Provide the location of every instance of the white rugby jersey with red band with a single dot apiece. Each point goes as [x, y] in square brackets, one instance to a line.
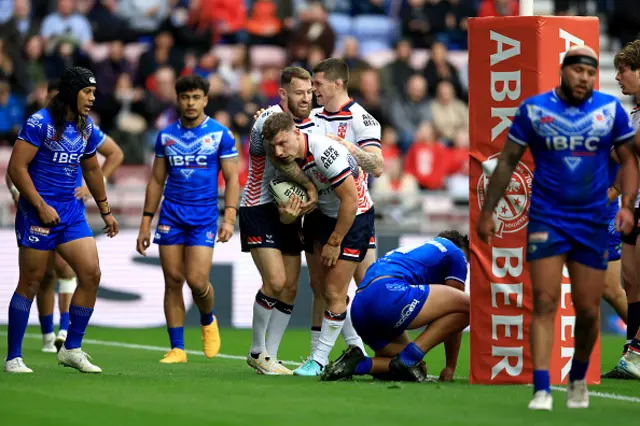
[261, 170]
[328, 165]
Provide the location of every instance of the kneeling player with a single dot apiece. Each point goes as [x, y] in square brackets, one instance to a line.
[338, 233]
[396, 296]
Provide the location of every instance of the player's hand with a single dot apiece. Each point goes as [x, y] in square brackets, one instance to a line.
[225, 232]
[446, 375]
[290, 212]
[624, 220]
[111, 228]
[144, 241]
[330, 255]
[48, 215]
[258, 113]
[486, 227]
[82, 192]
[351, 147]
[310, 205]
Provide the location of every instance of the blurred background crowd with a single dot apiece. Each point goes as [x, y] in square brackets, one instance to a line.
[407, 58]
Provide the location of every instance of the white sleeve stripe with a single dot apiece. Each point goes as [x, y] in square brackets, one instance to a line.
[235, 154]
[516, 140]
[625, 137]
[160, 155]
[455, 279]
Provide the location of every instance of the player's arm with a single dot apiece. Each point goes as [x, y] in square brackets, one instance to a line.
[113, 156]
[230, 174]
[456, 278]
[367, 151]
[152, 198]
[511, 154]
[15, 194]
[347, 192]
[92, 173]
[22, 154]
[628, 173]
[614, 192]
[369, 158]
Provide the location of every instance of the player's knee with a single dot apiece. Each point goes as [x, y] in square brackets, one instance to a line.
[173, 279]
[197, 282]
[274, 282]
[90, 277]
[587, 314]
[48, 279]
[544, 305]
[290, 290]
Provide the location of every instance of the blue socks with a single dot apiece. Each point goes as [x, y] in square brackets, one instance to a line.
[19, 308]
[541, 381]
[64, 321]
[411, 355]
[364, 367]
[78, 321]
[176, 337]
[46, 324]
[206, 319]
[578, 370]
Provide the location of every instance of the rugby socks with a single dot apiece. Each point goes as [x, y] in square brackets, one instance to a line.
[364, 367]
[331, 327]
[542, 381]
[78, 320]
[633, 322]
[315, 336]
[351, 335]
[635, 345]
[206, 319]
[578, 370]
[411, 355]
[176, 337]
[64, 321]
[278, 323]
[262, 309]
[19, 308]
[46, 324]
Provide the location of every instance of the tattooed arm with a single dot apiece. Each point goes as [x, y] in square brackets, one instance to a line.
[509, 158]
[369, 158]
[628, 173]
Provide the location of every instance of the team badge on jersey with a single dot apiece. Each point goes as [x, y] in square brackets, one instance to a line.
[511, 212]
[342, 130]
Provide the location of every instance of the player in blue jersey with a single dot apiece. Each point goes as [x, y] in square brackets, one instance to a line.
[46, 159]
[59, 270]
[189, 155]
[398, 293]
[570, 131]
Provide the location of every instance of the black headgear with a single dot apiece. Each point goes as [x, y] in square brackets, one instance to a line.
[580, 59]
[72, 81]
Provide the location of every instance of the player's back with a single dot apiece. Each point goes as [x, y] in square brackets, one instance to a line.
[570, 146]
[193, 159]
[261, 170]
[432, 262]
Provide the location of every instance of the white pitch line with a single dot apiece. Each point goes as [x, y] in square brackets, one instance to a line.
[596, 394]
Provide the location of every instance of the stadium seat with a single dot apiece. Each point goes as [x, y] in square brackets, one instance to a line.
[369, 28]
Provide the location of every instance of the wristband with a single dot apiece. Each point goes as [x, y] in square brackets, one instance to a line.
[14, 190]
[148, 214]
[230, 207]
[107, 213]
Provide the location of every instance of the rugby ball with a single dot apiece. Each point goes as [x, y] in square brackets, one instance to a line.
[281, 190]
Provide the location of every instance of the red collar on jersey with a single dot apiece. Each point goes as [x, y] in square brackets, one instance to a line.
[344, 109]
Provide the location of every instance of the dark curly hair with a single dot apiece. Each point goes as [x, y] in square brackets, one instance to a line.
[460, 240]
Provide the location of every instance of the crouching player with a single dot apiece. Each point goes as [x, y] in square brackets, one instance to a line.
[396, 295]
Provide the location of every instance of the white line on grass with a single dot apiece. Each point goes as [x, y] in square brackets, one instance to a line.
[242, 358]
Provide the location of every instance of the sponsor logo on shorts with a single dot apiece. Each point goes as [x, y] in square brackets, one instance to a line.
[39, 230]
[34, 239]
[269, 238]
[350, 252]
[538, 237]
[163, 229]
[254, 240]
[511, 212]
[406, 312]
[209, 237]
[157, 236]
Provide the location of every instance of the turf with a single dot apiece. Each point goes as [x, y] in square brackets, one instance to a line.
[136, 390]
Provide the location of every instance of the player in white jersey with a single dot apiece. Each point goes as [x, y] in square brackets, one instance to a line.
[627, 64]
[343, 119]
[272, 235]
[338, 232]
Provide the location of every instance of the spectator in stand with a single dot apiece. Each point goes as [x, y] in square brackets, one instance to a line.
[38, 99]
[144, 16]
[625, 20]
[368, 7]
[462, 10]
[394, 75]
[240, 64]
[498, 8]
[450, 115]
[162, 54]
[11, 113]
[67, 25]
[409, 110]
[459, 154]
[438, 69]
[227, 18]
[351, 56]
[109, 70]
[243, 105]
[314, 29]
[415, 24]
[370, 97]
[427, 159]
[263, 25]
[218, 99]
[21, 26]
[389, 144]
[396, 185]
[34, 55]
[107, 25]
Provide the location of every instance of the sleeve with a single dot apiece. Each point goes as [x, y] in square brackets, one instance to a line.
[521, 130]
[623, 129]
[34, 130]
[334, 163]
[92, 141]
[159, 146]
[256, 142]
[457, 267]
[227, 145]
[367, 130]
[98, 136]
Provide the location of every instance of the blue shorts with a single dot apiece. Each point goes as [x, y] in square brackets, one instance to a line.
[382, 311]
[614, 248]
[30, 233]
[186, 225]
[583, 242]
